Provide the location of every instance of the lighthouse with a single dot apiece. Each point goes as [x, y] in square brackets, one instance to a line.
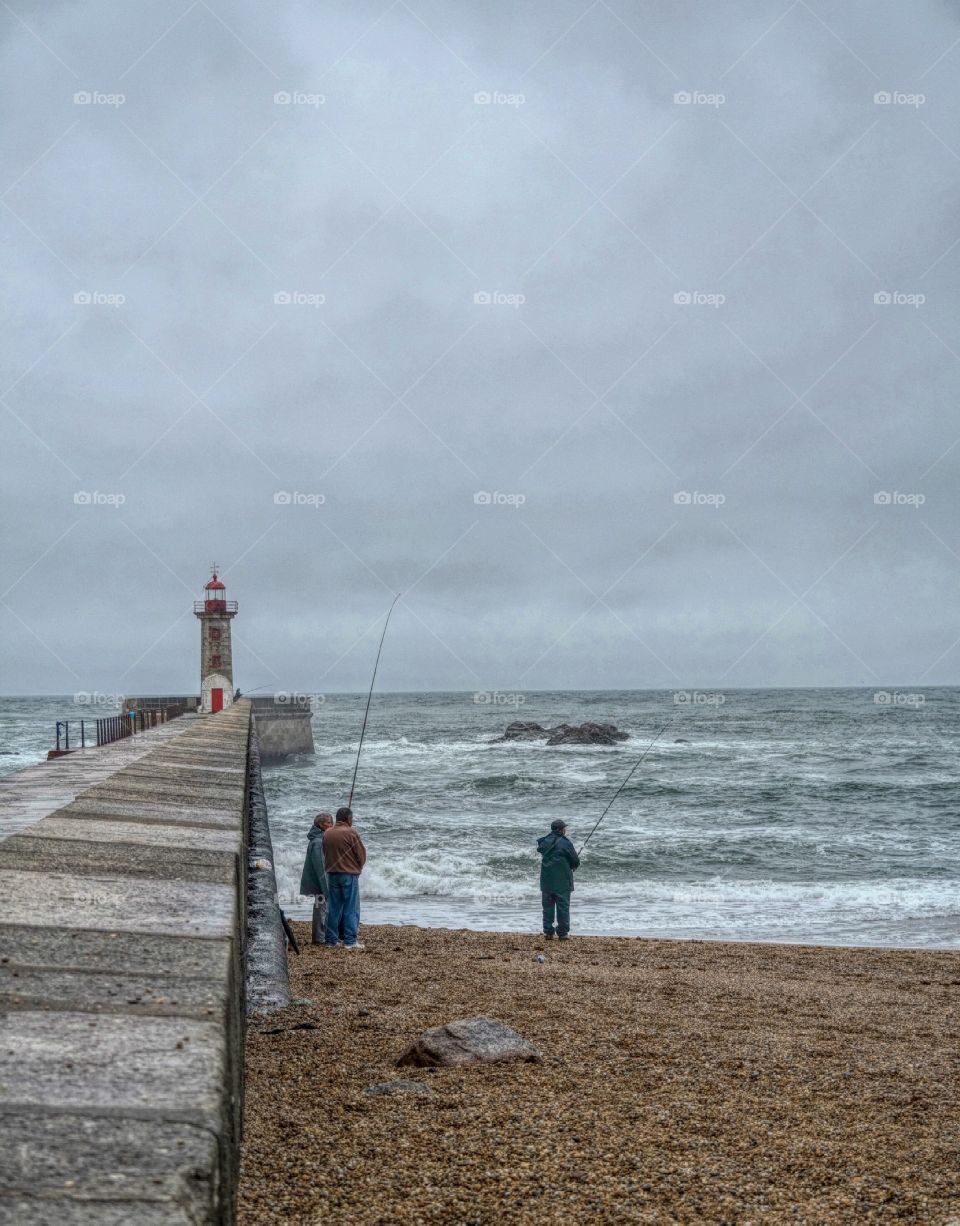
[216, 655]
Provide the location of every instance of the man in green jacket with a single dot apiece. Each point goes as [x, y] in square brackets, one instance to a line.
[313, 880]
[559, 859]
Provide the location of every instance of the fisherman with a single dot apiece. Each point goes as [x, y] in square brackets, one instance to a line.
[313, 879]
[557, 867]
[344, 855]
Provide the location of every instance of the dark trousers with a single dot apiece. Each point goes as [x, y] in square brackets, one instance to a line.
[343, 908]
[559, 904]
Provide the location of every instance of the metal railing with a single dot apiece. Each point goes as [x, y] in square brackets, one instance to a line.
[214, 606]
[115, 727]
[63, 734]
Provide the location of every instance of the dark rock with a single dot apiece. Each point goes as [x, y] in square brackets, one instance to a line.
[681, 740]
[586, 734]
[524, 731]
[565, 734]
[401, 1086]
[473, 1040]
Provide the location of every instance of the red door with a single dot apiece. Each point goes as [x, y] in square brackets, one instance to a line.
[216, 700]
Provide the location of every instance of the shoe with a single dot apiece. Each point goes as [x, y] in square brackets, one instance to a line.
[565, 937]
[548, 936]
[355, 945]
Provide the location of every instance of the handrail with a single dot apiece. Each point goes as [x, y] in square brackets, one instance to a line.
[116, 727]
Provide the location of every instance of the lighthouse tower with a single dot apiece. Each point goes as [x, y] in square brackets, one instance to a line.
[216, 655]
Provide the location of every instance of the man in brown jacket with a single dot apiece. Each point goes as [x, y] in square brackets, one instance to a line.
[344, 856]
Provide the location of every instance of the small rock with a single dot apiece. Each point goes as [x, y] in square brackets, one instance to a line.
[541, 958]
[473, 1040]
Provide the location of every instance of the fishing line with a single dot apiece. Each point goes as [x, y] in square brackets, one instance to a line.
[366, 712]
[625, 782]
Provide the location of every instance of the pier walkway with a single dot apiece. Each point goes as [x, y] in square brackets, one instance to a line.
[122, 934]
[34, 792]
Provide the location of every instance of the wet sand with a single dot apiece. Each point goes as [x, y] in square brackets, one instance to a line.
[682, 1081]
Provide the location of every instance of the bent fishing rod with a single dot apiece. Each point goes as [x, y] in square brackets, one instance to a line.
[363, 729]
[624, 784]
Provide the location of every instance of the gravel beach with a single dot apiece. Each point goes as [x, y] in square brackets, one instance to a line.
[682, 1081]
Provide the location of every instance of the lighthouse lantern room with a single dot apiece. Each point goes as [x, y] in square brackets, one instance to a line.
[216, 656]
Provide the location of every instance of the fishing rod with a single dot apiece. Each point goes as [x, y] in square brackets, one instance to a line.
[624, 784]
[366, 712]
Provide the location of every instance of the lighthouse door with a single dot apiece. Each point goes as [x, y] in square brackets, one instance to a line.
[216, 700]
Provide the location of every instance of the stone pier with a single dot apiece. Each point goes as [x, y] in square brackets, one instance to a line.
[122, 953]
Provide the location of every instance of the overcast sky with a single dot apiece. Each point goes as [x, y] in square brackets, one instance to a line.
[581, 352]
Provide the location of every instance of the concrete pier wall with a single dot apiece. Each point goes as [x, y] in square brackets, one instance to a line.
[122, 953]
[283, 728]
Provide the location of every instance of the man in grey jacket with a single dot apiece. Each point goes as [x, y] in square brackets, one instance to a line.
[313, 880]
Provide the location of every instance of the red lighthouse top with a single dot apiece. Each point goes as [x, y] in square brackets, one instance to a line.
[215, 596]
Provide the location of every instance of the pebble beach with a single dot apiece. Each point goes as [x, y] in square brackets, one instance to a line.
[681, 1082]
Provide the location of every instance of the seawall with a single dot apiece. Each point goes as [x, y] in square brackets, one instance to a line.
[122, 986]
[284, 728]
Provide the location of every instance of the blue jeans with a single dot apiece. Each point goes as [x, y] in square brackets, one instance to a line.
[343, 908]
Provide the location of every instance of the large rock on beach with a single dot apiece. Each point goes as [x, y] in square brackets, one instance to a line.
[588, 733]
[472, 1040]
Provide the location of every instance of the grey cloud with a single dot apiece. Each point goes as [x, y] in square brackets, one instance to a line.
[597, 199]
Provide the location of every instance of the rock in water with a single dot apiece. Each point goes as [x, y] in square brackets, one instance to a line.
[472, 1040]
[586, 734]
[524, 731]
[565, 734]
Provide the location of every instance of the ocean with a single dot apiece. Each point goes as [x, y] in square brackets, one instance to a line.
[825, 816]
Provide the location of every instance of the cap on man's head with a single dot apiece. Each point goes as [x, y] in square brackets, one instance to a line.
[558, 826]
[344, 814]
